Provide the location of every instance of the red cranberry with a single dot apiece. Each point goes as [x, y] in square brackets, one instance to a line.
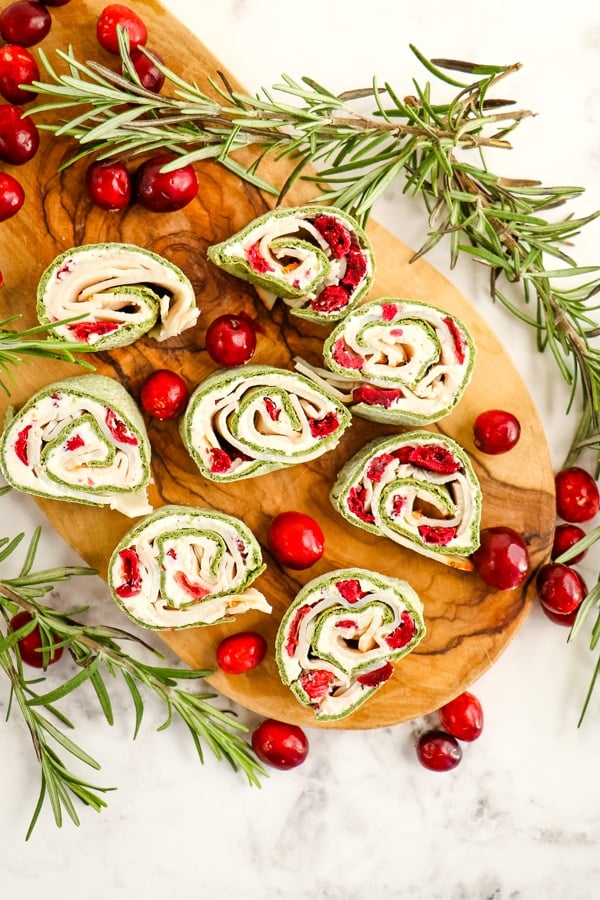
[241, 652]
[566, 619]
[496, 431]
[164, 394]
[231, 339]
[25, 23]
[19, 137]
[439, 751]
[144, 63]
[501, 559]
[17, 67]
[12, 196]
[295, 539]
[577, 497]
[30, 646]
[462, 717]
[161, 191]
[559, 588]
[108, 185]
[117, 14]
[279, 744]
[565, 536]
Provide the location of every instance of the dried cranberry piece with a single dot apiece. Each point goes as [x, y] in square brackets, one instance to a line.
[74, 443]
[21, 444]
[376, 677]
[434, 458]
[403, 634]
[345, 623]
[323, 427]
[337, 235]
[351, 590]
[378, 465]
[375, 396]
[357, 504]
[292, 640]
[219, 460]
[84, 330]
[197, 591]
[457, 337]
[273, 410]
[257, 261]
[119, 429]
[345, 356]
[131, 573]
[316, 683]
[331, 299]
[439, 535]
[389, 311]
[356, 267]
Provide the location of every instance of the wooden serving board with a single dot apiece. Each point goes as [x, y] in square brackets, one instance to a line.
[468, 624]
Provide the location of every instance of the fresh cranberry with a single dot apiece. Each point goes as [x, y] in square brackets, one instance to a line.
[238, 653]
[108, 185]
[295, 540]
[496, 431]
[116, 14]
[462, 717]
[17, 67]
[501, 559]
[30, 646]
[24, 23]
[144, 63]
[565, 536]
[439, 751]
[164, 394]
[566, 619]
[160, 191]
[279, 744]
[577, 497]
[231, 339]
[559, 588]
[12, 196]
[19, 137]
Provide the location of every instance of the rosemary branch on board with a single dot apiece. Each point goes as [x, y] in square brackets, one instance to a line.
[97, 652]
[352, 158]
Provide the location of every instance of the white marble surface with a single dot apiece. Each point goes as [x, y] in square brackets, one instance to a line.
[520, 817]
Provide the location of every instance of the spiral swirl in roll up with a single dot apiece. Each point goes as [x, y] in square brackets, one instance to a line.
[119, 291]
[182, 567]
[317, 260]
[418, 489]
[83, 440]
[340, 638]
[397, 361]
[240, 423]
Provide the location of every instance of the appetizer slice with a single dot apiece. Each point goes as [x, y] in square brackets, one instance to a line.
[418, 489]
[316, 259]
[338, 641]
[244, 422]
[397, 361]
[83, 440]
[182, 567]
[119, 292]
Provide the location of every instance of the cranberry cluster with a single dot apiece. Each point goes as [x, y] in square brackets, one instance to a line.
[439, 749]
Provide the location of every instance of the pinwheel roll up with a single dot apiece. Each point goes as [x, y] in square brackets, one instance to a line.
[82, 439]
[418, 489]
[240, 423]
[119, 291]
[316, 259]
[338, 641]
[398, 361]
[182, 567]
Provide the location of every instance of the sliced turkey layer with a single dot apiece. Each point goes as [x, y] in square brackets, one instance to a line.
[340, 638]
[184, 566]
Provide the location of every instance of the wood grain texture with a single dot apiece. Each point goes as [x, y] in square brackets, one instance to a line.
[468, 625]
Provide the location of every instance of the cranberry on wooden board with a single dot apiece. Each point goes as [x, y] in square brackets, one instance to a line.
[117, 14]
[231, 339]
[280, 745]
[241, 652]
[496, 431]
[577, 496]
[24, 23]
[17, 67]
[160, 191]
[164, 394]
[30, 646]
[565, 537]
[439, 751]
[19, 137]
[144, 63]
[559, 588]
[501, 559]
[295, 539]
[462, 717]
[108, 185]
[12, 196]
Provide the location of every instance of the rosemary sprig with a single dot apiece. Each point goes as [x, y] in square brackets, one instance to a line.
[97, 652]
[15, 346]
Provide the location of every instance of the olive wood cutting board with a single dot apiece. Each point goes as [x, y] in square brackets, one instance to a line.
[468, 624]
